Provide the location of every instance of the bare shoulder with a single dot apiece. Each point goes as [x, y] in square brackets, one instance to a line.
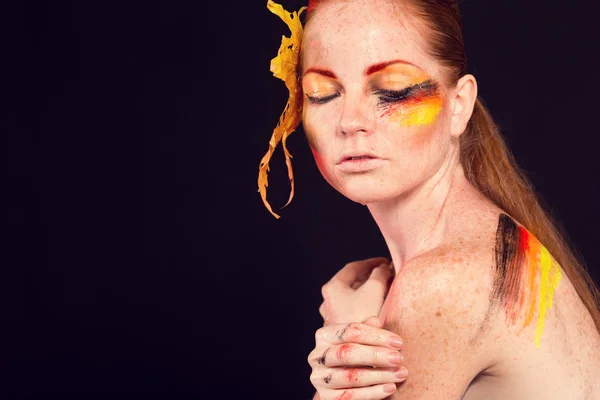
[454, 280]
[493, 303]
[446, 282]
[439, 303]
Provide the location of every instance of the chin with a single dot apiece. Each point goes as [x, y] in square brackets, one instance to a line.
[367, 192]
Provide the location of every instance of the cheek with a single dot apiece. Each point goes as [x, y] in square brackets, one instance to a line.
[415, 113]
[417, 126]
[418, 148]
[321, 142]
[315, 127]
[311, 136]
[319, 159]
[324, 165]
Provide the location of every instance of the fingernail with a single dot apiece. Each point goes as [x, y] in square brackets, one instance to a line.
[396, 358]
[396, 342]
[401, 372]
[389, 388]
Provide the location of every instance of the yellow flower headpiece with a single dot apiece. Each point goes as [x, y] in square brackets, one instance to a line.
[284, 67]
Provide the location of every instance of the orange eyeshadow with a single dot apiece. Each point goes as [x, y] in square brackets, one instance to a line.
[421, 108]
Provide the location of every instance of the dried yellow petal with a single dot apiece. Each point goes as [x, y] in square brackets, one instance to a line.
[284, 67]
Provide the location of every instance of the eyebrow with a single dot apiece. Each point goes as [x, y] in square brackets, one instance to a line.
[321, 71]
[369, 71]
[383, 65]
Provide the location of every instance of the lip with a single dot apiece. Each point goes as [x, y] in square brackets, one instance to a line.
[349, 156]
[351, 163]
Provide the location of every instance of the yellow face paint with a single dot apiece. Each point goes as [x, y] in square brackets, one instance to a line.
[418, 111]
[421, 100]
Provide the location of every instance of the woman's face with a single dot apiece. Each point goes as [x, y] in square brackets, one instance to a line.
[375, 111]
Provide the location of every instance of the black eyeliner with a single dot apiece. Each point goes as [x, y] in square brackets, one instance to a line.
[427, 88]
[424, 89]
[321, 100]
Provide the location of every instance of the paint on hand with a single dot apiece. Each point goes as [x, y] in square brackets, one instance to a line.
[520, 261]
[421, 106]
[352, 375]
[343, 351]
[344, 396]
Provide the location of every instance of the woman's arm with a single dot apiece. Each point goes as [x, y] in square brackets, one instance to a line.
[350, 359]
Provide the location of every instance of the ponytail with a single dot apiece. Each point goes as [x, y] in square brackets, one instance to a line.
[491, 168]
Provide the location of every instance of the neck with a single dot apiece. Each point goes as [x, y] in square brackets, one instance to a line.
[416, 222]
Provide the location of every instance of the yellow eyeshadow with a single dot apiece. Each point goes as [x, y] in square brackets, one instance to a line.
[399, 76]
[416, 112]
[315, 84]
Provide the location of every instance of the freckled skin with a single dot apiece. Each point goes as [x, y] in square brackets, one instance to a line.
[560, 366]
[411, 153]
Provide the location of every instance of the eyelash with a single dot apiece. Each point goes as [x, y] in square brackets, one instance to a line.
[394, 96]
[385, 96]
[321, 100]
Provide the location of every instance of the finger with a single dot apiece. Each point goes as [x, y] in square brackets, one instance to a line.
[338, 334]
[383, 273]
[358, 355]
[341, 378]
[355, 332]
[373, 321]
[377, 392]
[358, 270]
[324, 314]
[323, 310]
[379, 280]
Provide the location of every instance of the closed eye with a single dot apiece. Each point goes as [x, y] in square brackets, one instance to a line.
[427, 88]
[394, 96]
[321, 100]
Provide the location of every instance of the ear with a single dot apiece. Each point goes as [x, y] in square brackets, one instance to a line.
[462, 102]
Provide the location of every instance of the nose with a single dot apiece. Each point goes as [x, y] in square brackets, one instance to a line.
[355, 118]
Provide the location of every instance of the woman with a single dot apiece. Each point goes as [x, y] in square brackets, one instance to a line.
[487, 299]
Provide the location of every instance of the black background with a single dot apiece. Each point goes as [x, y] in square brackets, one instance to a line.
[138, 260]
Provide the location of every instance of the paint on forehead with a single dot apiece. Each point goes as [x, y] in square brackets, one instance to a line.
[421, 108]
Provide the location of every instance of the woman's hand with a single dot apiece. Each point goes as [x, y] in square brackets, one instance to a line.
[358, 361]
[356, 292]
